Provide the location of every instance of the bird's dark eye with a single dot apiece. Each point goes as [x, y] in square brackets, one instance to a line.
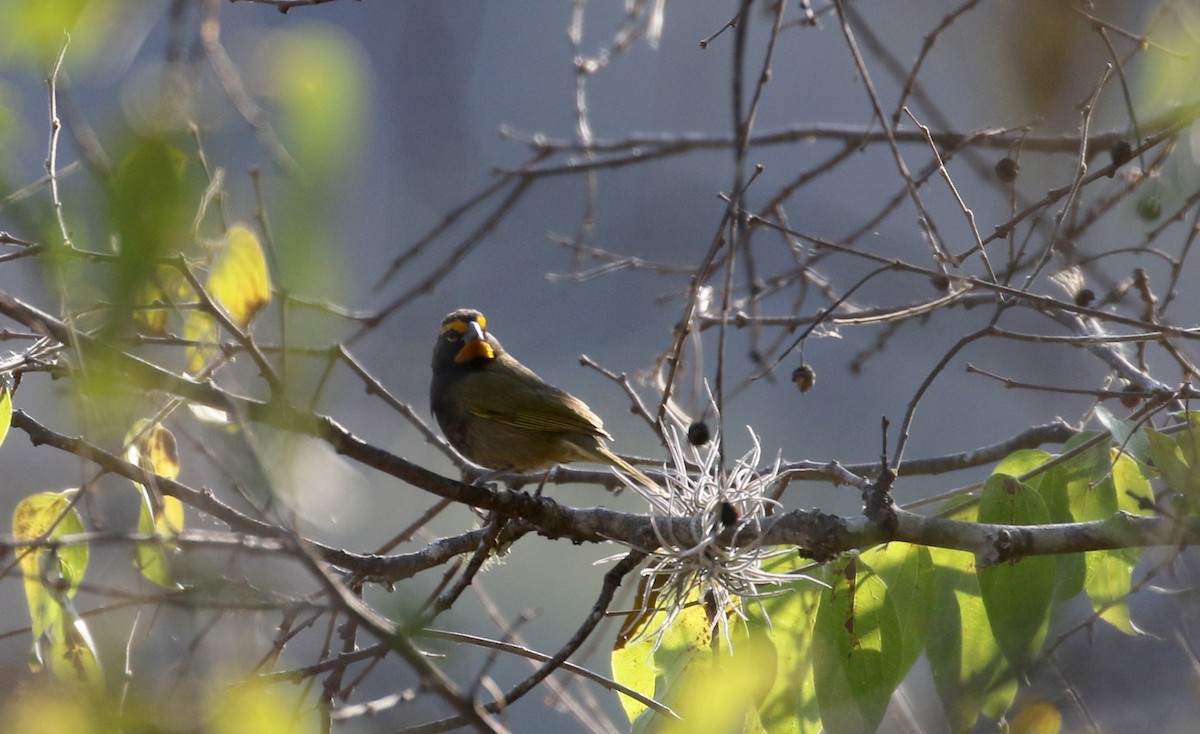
[452, 336]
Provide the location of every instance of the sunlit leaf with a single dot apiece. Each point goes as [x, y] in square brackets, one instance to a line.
[48, 514]
[239, 283]
[5, 412]
[48, 709]
[687, 637]
[907, 570]
[1168, 459]
[69, 650]
[1017, 593]
[260, 707]
[239, 280]
[1188, 441]
[787, 619]
[1099, 483]
[857, 650]
[152, 447]
[1127, 434]
[1110, 572]
[1168, 79]
[1051, 485]
[1037, 717]
[722, 689]
[61, 640]
[202, 328]
[970, 672]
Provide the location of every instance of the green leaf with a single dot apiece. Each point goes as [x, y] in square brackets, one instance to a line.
[1099, 483]
[1127, 434]
[969, 670]
[713, 686]
[658, 673]
[907, 570]
[787, 619]
[1169, 459]
[1110, 572]
[721, 691]
[1017, 593]
[1022, 461]
[149, 206]
[857, 650]
[1051, 485]
[36, 30]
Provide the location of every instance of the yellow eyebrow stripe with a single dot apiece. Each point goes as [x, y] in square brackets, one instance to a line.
[461, 326]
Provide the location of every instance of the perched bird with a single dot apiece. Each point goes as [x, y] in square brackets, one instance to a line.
[501, 415]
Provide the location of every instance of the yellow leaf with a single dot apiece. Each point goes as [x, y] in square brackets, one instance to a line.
[5, 412]
[200, 327]
[239, 280]
[256, 706]
[48, 514]
[1039, 717]
[153, 448]
[166, 287]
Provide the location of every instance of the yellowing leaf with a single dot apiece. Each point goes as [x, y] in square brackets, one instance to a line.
[1038, 717]
[239, 280]
[787, 620]
[259, 707]
[200, 327]
[61, 640]
[239, 283]
[659, 673]
[48, 514]
[166, 287]
[38, 29]
[70, 652]
[153, 447]
[5, 412]
[723, 694]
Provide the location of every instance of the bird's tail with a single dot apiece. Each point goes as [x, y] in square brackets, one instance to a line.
[638, 475]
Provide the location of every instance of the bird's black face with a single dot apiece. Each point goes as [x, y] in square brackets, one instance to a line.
[463, 341]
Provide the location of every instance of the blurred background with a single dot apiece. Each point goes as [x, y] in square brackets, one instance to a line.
[367, 124]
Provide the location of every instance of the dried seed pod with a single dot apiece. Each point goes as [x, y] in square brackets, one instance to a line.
[805, 377]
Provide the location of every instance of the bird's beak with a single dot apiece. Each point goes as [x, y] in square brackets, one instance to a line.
[475, 345]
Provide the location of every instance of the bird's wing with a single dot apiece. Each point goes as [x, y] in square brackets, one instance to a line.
[507, 396]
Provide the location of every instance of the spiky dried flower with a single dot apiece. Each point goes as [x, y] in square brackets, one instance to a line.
[720, 561]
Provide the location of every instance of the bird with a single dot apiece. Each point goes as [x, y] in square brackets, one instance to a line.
[499, 414]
